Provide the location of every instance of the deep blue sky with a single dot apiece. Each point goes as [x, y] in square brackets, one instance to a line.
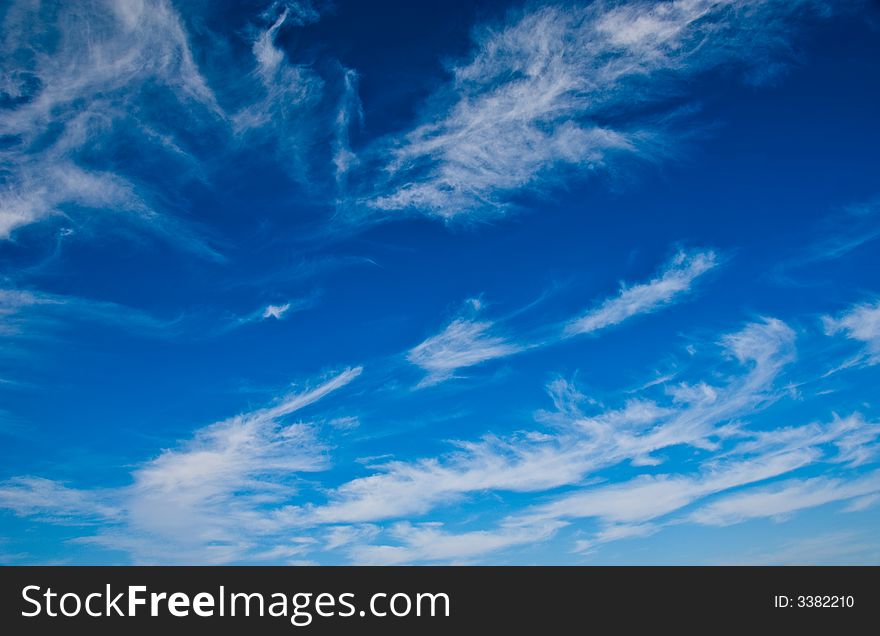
[440, 282]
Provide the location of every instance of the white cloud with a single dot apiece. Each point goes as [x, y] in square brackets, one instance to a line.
[349, 113]
[288, 93]
[105, 53]
[842, 234]
[276, 311]
[279, 312]
[28, 314]
[464, 342]
[836, 548]
[854, 439]
[121, 76]
[31, 315]
[643, 505]
[233, 491]
[676, 279]
[576, 446]
[429, 542]
[209, 500]
[781, 500]
[614, 532]
[343, 536]
[860, 323]
[649, 497]
[47, 499]
[567, 87]
[468, 340]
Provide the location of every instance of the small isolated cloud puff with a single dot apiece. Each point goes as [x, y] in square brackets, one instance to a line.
[270, 312]
[276, 311]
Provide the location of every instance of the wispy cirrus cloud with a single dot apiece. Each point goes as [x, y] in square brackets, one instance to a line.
[840, 235]
[87, 83]
[833, 548]
[675, 280]
[853, 439]
[650, 497]
[54, 502]
[275, 311]
[465, 342]
[708, 418]
[431, 543]
[271, 312]
[781, 500]
[30, 314]
[566, 89]
[576, 443]
[208, 500]
[232, 491]
[349, 114]
[288, 92]
[644, 505]
[242, 466]
[63, 101]
[209, 490]
[470, 340]
[860, 323]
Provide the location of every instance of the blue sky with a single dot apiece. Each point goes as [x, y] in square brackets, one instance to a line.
[574, 283]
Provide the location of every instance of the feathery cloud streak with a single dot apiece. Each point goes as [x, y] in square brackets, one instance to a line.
[61, 104]
[85, 81]
[204, 501]
[862, 324]
[676, 279]
[577, 443]
[464, 342]
[569, 86]
[229, 493]
[469, 341]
